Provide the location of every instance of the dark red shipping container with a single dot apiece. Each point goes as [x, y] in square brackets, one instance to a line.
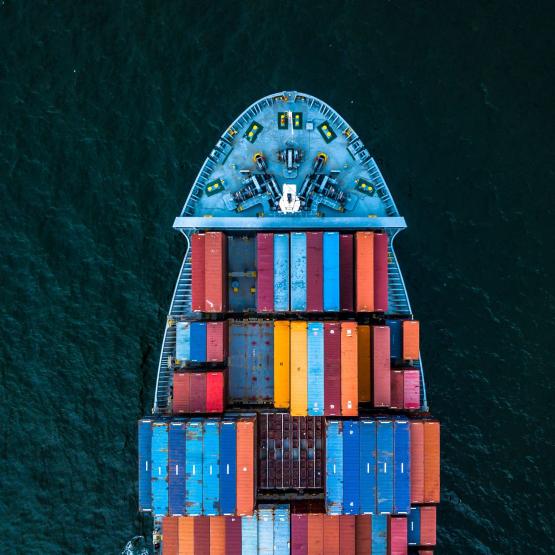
[332, 369]
[381, 366]
[397, 535]
[197, 395]
[215, 276]
[347, 534]
[346, 272]
[197, 272]
[202, 535]
[216, 341]
[181, 392]
[364, 534]
[265, 272]
[411, 389]
[397, 389]
[215, 391]
[314, 272]
[331, 535]
[428, 525]
[299, 534]
[380, 272]
[233, 535]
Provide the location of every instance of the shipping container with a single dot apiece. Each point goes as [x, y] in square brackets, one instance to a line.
[215, 391]
[193, 468]
[331, 272]
[349, 369]
[211, 468]
[331, 534]
[299, 391]
[265, 272]
[351, 467]
[413, 526]
[176, 470]
[197, 272]
[431, 462]
[428, 525]
[217, 535]
[368, 466]
[233, 535]
[315, 377]
[170, 535]
[334, 467]
[401, 463]
[364, 281]
[228, 467]
[380, 272]
[381, 367]
[346, 262]
[281, 272]
[198, 342]
[159, 455]
[332, 369]
[245, 467]
[314, 270]
[265, 530]
[364, 376]
[215, 277]
[411, 389]
[145, 475]
[347, 534]
[216, 341]
[416, 461]
[281, 364]
[411, 339]
[282, 532]
[186, 532]
[385, 466]
[379, 535]
[395, 339]
[197, 392]
[316, 534]
[298, 271]
[364, 535]
[183, 341]
[202, 535]
[181, 392]
[249, 531]
[397, 535]
[299, 534]
[397, 389]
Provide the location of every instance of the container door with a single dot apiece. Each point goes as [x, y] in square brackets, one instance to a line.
[385, 466]
[299, 393]
[281, 272]
[228, 466]
[145, 476]
[183, 341]
[332, 369]
[159, 464]
[368, 466]
[349, 369]
[346, 261]
[351, 467]
[401, 462]
[364, 245]
[380, 272]
[331, 272]
[379, 535]
[198, 342]
[265, 272]
[315, 380]
[197, 272]
[211, 468]
[314, 270]
[334, 467]
[381, 366]
[193, 469]
[176, 470]
[298, 272]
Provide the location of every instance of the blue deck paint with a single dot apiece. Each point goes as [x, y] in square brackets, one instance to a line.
[281, 272]
[367, 430]
[176, 468]
[198, 342]
[193, 469]
[334, 467]
[249, 535]
[413, 526]
[183, 341]
[379, 535]
[331, 271]
[315, 344]
[211, 468]
[298, 272]
[145, 475]
[351, 467]
[159, 457]
[228, 467]
[385, 466]
[401, 464]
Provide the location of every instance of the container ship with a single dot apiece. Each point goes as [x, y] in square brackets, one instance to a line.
[290, 413]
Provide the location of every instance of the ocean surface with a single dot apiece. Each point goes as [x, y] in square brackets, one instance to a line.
[107, 111]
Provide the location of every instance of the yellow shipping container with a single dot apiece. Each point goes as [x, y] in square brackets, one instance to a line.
[281, 364]
[364, 389]
[299, 363]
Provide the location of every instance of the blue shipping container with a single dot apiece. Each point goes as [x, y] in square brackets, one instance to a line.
[395, 338]
[315, 381]
[159, 468]
[281, 530]
[249, 533]
[211, 468]
[228, 467]
[331, 271]
[281, 271]
[193, 468]
[183, 341]
[298, 271]
[379, 535]
[351, 467]
[176, 469]
[265, 530]
[145, 475]
[198, 341]
[368, 466]
[385, 466]
[334, 467]
[413, 526]
[401, 463]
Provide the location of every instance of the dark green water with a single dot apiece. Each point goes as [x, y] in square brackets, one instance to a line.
[108, 110]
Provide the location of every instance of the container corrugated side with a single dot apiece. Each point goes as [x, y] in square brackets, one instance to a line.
[314, 270]
[351, 467]
[217, 535]
[265, 530]
[416, 462]
[364, 374]
[183, 341]
[385, 466]
[379, 534]
[428, 524]
[299, 534]
[193, 468]
[145, 474]
[228, 467]
[368, 466]
[298, 272]
[211, 468]
[331, 534]
[282, 531]
[397, 535]
[401, 463]
[176, 470]
[281, 364]
[347, 534]
[315, 377]
[215, 391]
[411, 389]
[411, 339]
[315, 534]
[364, 534]
[395, 339]
[197, 272]
[281, 272]
[299, 392]
[264, 272]
[170, 535]
[381, 367]
[245, 466]
[198, 342]
[413, 526]
[202, 535]
[334, 467]
[249, 531]
[215, 278]
[380, 272]
[233, 535]
[331, 272]
[431, 462]
[332, 369]
[364, 281]
[397, 389]
[186, 528]
[197, 392]
[349, 369]
[181, 392]
[216, 341]
[159, 456]
[346, 263]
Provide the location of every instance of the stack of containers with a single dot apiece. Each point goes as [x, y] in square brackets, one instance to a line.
[371, 271]
[200, 342]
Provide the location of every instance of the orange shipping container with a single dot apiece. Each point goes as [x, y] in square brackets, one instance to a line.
[331, 534]
[431, 462]
[364, 388]
[349, 369]
[411, 339]
[186, 535]
[170, 537]
[215, 277]
[416, 462]
[197, 272]
[347, 535]
[217, 535]
[364, 534]
[281, 364]
[427, 525]
[245, 467]
[299, 370]
[315, 534]
[364, 242]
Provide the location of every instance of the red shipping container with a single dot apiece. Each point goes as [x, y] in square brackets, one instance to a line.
[314, 272]
[170, 535]
[364, 534]
[215, 391]
[202, 535]
[233, 535]
[411, 339]
[381, 366]
[265, 272]
[346, 272]
[181, 392]
[416, 462]
[197, 392]
[197, 272]
[215, 272]
[380, 272]
[397, 535]
[299, 534]
[216, 341]
[347, 535]
[411, 389]
[316, 534]
[431, 462]
[397, 389]
[428, 525]
[331, 535]
[332, 369]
